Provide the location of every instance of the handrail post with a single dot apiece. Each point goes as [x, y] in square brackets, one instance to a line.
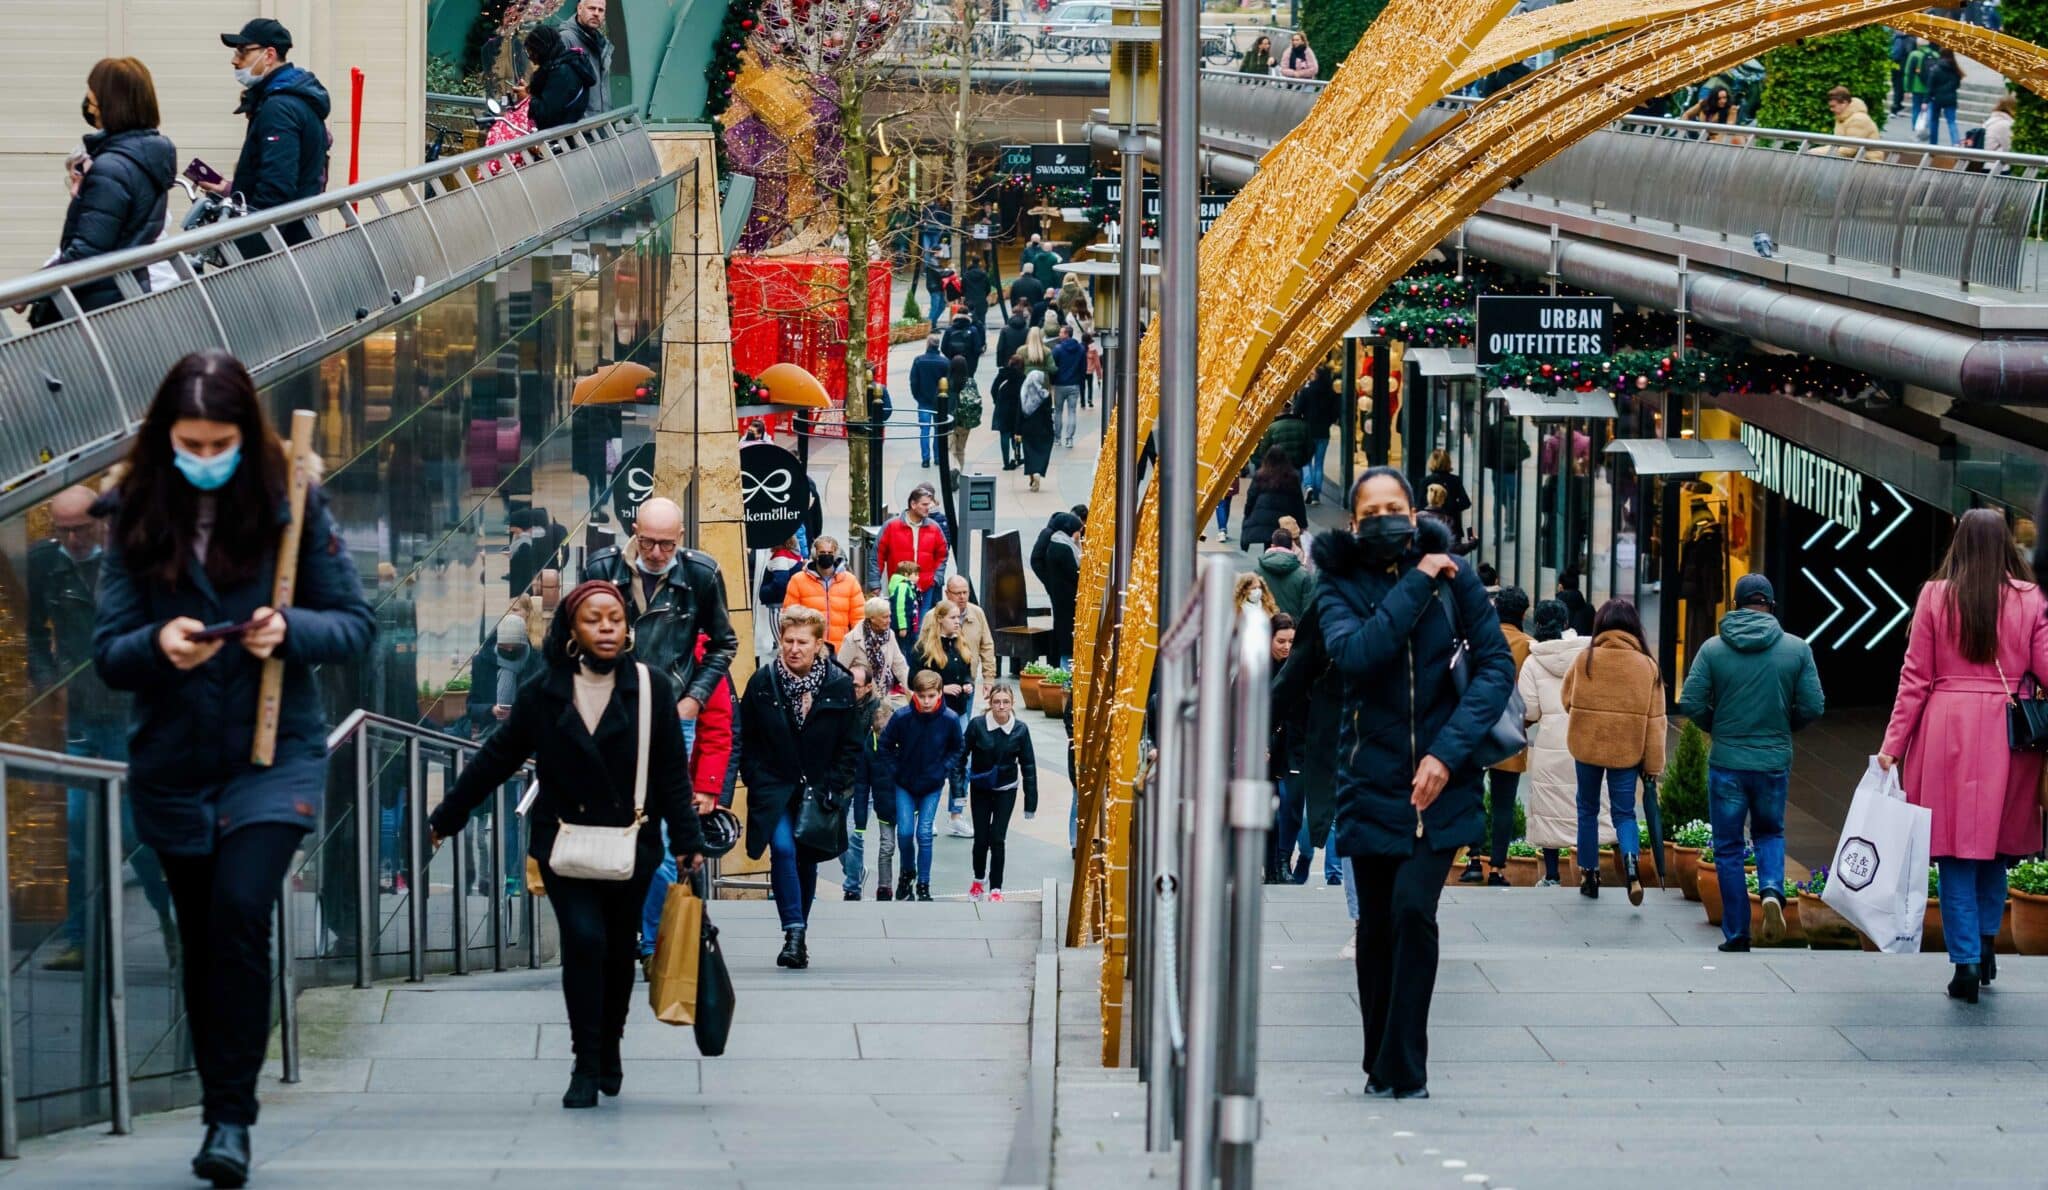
[416, 859]
[1207, 877]
[10, 1120]
[116, 977]
[1251, 816]
[369, 898]
[1163, 866]
[287, 987]
[1984, 188]
[459, 869]
[496, 901]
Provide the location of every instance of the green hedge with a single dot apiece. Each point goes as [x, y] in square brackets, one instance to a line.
[1334, 28]
[2028, 21]
[1798, 77]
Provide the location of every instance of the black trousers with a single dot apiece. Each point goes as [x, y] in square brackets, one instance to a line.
[1397, 953]
[600, 925]
[1501, 790]
[225, 903]
[989, 810]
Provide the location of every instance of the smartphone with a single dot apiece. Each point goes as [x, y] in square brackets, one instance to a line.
[226, 630]
[202, 173]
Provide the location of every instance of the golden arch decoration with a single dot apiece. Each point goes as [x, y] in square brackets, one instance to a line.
[1527, 34]
[1413, 205]
[2021, 61]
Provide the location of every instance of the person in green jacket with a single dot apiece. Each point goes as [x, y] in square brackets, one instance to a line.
[1750, 688]
[1293, 588]
[1915, 70]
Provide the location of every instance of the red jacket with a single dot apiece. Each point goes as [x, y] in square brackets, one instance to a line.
[924, 544]
[712, 754]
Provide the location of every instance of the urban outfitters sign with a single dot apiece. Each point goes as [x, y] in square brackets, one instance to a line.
[1570, 326]
[1819, 485]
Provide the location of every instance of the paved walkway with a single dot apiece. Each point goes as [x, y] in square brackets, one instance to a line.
[898, 1060]
[1579, 1044]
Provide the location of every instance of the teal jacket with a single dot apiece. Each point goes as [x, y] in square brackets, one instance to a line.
[1750, 688]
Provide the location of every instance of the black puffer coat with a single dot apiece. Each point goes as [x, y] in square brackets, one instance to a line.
[1390, 637]
[781, 758]
[119, 204]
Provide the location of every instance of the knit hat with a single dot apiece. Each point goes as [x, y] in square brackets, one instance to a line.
[511, 631]
[1753, 589]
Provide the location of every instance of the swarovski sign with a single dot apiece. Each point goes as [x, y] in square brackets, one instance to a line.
[1819, 485]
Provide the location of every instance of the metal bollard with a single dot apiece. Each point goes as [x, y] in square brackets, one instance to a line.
[416, 859]
[499, 824]
[459, 865]
[369, 901]
[1251, 815]
[287, 986]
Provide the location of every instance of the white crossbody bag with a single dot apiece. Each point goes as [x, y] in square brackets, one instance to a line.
[607, 852]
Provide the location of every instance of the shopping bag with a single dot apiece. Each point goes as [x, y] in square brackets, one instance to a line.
[1923, 121]
[672, 982]
[715, 999]
[1879, 878]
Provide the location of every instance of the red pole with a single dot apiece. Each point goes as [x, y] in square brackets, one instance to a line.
[355, 124]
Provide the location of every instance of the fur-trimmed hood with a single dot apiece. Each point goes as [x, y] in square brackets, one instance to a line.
[1336, 551]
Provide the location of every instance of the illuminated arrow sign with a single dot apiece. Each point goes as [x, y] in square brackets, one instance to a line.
[1892, 623]
[1860, 620]
[1905, 510]
[1827, 595]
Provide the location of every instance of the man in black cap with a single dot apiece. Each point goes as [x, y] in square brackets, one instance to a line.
[1751, 687]
[284, 153]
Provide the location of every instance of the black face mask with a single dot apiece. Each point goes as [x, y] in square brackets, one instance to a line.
[85, 110]
[824, 563]
[1385, 538]
[600, 665]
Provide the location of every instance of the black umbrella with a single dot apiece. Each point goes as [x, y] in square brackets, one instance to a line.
[1654, 819]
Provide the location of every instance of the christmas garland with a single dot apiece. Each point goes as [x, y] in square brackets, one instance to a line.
[740, 18]
[1708, 370]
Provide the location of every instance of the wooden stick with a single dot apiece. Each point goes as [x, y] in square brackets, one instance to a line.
[270, 698]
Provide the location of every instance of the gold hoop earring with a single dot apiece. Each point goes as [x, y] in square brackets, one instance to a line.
[573, 650]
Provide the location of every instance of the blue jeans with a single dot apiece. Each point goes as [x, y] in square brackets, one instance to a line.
[664, 876]
[924, 439]
[102, 741]
[1946, 111]
[1223, 515]
[914, 815]
[1312, 475]
[1621, 793]
[853, 861]
[956, 785]
[1287, 826]
[1732, 795]
[795, 881]
[1066, 412]
[1350, 888]
[1919, 101]
[1972, 904]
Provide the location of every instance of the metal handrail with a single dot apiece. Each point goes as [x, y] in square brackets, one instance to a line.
[1209, 812]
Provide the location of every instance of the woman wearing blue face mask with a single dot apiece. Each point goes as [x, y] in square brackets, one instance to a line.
[1393, 606]
[196, 523]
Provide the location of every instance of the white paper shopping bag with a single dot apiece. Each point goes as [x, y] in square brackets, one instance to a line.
[1879, 878]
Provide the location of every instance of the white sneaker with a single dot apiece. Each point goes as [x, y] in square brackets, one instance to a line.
[1547, 883]
[995, 895]
[1225, 535]
[958, 828]
[975, 891]
[1350, 950]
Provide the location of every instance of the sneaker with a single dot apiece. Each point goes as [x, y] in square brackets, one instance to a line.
[1547, 882]
[70, 958]
[1496, 880]
[1334, 879]
[1736, 945]
[398, 885]
[976, 891]
[1350, 948]
[1774, 917]
[853, 894]
[958, 828]
[1473, 874]
[924, 891]
[995, 896]
[1225, 535]
[903, 885]
[884, 893]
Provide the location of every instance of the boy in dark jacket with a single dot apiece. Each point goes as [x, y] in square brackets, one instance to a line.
[922, 746]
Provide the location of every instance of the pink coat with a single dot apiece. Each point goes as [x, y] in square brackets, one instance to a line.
[1948, 725]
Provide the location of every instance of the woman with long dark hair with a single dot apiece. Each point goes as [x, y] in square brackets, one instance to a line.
[1977, 635]
[582, 725]
[120, 189]
[1615, 697]
[198, 518]
[1394, 609]
[1275, 493]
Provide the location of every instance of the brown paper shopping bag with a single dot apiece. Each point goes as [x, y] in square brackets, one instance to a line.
[672, 986]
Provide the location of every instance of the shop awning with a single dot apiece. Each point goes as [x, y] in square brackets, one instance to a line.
[1444, 361]
[1598, 405]
[1683, 456]
[1103, 268]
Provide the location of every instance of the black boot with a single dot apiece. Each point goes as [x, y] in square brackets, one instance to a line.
[792, 950]
[1987, 967]
[224, 1158]
[903, 885]
[924, 891]
[1964, 986]
[803, 949]
[1474, 873]
[1589, 883]
[611, 1068]
[582, 1090]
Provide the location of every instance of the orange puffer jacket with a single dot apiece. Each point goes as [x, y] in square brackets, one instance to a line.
[843, 604]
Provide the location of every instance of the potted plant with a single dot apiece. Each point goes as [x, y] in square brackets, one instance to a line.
[1525, 864]
[2028, 883]
[1687, 843]
[1682, 792]
[1931, 940]
[1825, 929]
[1028, 683]
[1052, 692]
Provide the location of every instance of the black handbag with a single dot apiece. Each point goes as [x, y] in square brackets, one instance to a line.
[1508, 737]
[2026, 713]
[715, 999]
[820, 825]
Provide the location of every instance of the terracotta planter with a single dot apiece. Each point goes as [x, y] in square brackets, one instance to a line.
[1710, 896]
[1027, 689]
[1931, 941]
[1052, 700]
[1686, 866]
[2030, 922]
[450, 707]
[1825, 929]
[2006, 943]
[1524, 870]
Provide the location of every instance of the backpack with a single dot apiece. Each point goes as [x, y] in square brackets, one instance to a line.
[967, 406]
[1035, 394]
[1973, 138]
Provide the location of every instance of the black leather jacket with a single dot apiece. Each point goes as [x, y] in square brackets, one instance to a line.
[689, 600]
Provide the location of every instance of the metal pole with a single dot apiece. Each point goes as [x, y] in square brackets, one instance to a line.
[1139, 944]
[460, 868]
[10, 1121]
[1206, 879]
[369, 901]
[500, 823]
[1347, 417]
[1178, 324]
[416, 860]
[1164, 824]
[287, 987]
[116, 974]
[1251, 816]
[1129, 290]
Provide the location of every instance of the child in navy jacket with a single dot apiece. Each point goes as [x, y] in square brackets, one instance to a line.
[921, 748]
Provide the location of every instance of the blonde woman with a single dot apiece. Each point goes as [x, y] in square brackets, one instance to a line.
[1037, 356]
[872, 643]
[1251, 591]
[941, 650]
